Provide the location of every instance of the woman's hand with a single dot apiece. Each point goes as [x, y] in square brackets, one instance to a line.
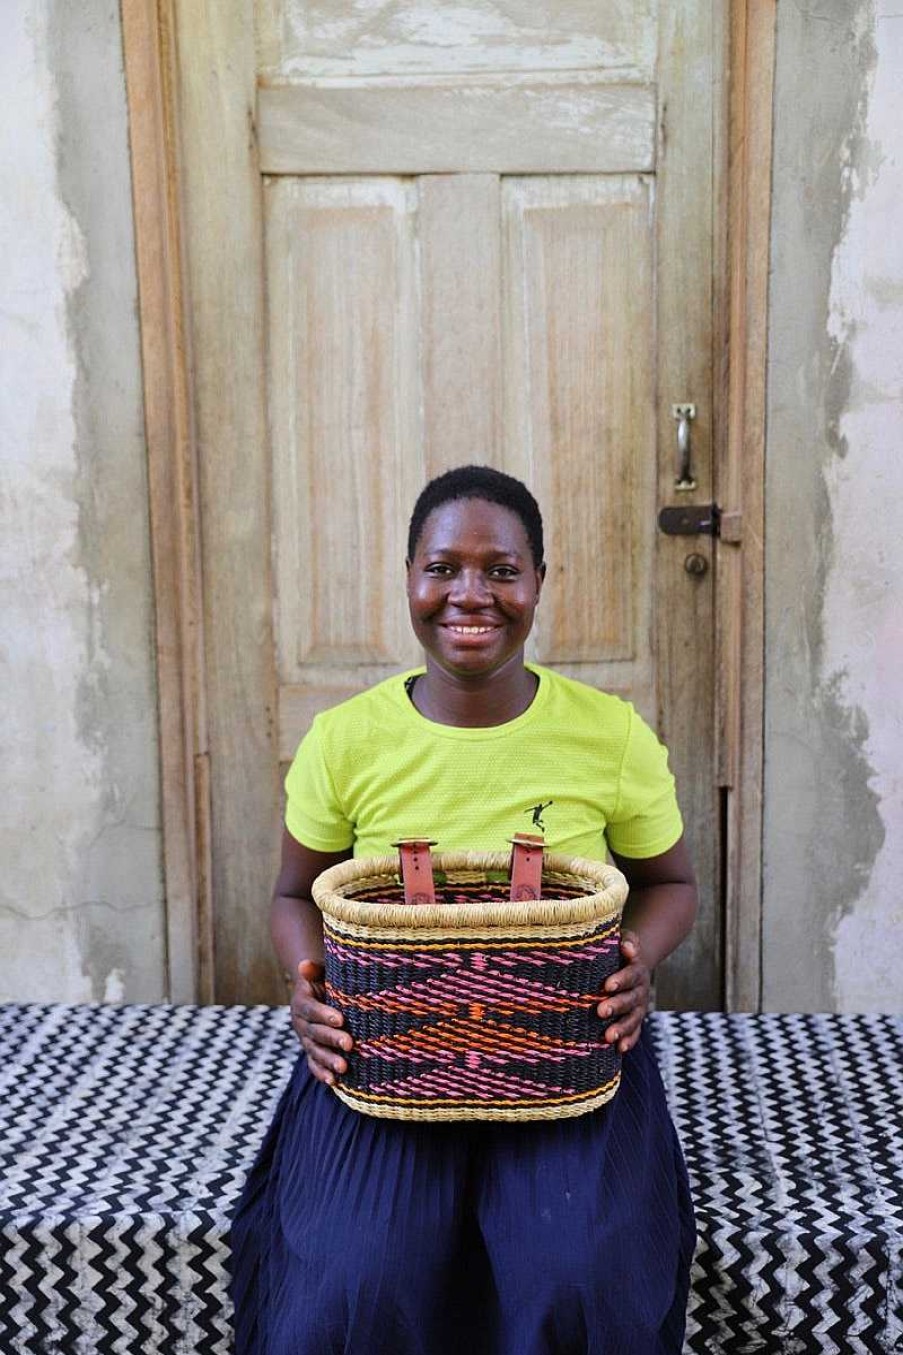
[659, 913]
[296, 926]
[318, 1026]
[627, 996]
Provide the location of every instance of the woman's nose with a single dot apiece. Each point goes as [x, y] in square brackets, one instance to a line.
[470, 588]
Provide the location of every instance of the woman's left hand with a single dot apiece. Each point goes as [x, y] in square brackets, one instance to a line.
[627, 996]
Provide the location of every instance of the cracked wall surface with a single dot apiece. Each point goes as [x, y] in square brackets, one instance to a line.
[833, 846]
[81, 899]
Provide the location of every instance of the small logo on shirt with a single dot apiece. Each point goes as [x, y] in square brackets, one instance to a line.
[536, 811]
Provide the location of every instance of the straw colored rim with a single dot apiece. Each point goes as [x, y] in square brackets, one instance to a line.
[566, 1108]
[440, 938]
[606, 891]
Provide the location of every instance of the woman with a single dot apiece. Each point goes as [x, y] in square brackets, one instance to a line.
[376, 1237]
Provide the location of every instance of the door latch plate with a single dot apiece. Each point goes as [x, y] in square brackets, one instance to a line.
[692, 519]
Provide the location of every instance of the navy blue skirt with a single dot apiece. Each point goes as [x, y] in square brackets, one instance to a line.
[359, 1236]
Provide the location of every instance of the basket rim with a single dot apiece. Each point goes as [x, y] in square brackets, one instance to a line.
[603, 901]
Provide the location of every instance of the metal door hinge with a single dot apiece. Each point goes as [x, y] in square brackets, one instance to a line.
[701, 519]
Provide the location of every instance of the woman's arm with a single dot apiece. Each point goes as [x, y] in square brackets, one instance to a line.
[660, 911]
[297, 931]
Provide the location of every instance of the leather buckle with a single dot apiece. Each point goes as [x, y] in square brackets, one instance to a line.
[526, 866]
[416, 869]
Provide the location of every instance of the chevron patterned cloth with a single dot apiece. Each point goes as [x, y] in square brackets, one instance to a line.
[126, 1133]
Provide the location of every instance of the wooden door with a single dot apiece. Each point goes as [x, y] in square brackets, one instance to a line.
[419, 235]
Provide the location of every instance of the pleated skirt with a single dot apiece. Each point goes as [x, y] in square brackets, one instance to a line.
[359, 1236]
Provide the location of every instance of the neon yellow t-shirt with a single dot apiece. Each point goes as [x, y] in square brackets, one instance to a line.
[578, 765]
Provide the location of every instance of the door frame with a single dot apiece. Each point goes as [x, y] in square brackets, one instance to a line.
[740, 484]
[181, 76]
[149, 51]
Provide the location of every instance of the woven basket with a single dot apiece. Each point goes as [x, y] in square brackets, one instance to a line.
[473, 1006]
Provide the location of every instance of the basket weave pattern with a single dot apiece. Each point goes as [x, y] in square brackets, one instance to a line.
[474, 1007]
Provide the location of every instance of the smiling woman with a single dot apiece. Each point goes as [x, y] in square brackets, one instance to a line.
[388, 1237]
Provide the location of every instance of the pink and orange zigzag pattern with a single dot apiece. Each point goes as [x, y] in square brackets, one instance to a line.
[471, 1024]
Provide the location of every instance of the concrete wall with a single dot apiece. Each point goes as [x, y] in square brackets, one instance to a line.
[81, 907]
[833, 848]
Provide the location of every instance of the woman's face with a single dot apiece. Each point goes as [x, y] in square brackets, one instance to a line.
[473, 587]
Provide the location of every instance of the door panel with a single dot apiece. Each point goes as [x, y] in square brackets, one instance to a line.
[516, 125]
[460, 319]
[322, 38]
[344, 402]
[581, 427]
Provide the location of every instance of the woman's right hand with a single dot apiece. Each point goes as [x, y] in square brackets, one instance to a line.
[317, 1026]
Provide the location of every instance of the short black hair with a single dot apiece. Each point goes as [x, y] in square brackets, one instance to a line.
[479, 482]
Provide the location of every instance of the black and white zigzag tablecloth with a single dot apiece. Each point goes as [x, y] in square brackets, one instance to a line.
[125, 1135]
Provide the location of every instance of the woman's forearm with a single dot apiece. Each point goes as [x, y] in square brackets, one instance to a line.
[661, 915]
[296, 926]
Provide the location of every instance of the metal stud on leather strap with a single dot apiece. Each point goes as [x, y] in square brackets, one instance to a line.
[416, 869]
[526, 866]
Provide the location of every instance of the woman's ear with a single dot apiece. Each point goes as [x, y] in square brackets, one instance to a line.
[540, 578]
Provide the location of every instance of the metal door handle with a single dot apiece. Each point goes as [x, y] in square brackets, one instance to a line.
[684, 414]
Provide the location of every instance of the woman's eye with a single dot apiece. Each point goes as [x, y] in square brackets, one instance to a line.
[438, 569]
[504, 572]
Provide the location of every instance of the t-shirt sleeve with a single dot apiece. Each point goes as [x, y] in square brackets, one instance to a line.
[646, 820]
[313, 813]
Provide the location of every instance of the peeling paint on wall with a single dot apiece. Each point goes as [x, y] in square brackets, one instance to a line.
[863, 652]
[824, 803]
[81, 909]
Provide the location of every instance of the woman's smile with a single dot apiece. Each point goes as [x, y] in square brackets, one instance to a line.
[469, 632]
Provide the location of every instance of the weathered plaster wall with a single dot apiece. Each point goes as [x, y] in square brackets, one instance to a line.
[833, 845]
[81, 908]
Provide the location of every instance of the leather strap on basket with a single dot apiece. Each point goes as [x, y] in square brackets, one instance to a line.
[526, 866]
[416, 869]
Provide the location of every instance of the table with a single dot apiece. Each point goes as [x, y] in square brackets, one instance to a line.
[126, 1134]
